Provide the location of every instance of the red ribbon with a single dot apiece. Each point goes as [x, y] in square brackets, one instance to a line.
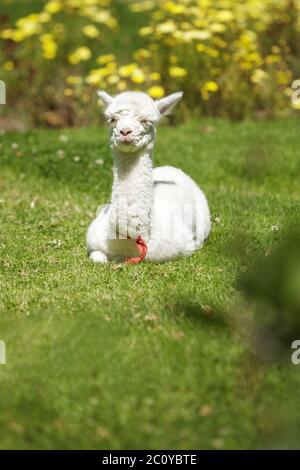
[142, 247]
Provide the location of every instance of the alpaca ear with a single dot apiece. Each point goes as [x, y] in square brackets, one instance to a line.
[105, 98]
[166, 105]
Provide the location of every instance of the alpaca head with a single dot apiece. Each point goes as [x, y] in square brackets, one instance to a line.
[132, 118]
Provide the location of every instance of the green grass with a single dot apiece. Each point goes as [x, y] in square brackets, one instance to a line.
[146, 356]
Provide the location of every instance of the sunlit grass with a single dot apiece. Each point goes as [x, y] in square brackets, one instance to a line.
[138, 356]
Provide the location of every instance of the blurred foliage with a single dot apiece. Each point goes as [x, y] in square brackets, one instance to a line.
[41, 48]
[234, 58]
[273, 288]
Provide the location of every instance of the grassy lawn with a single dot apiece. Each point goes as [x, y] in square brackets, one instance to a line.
[151, 356]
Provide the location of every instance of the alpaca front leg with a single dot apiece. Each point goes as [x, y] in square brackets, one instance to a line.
[98, 257]
[97, 237]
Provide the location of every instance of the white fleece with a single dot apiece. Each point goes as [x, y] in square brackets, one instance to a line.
[164, 206]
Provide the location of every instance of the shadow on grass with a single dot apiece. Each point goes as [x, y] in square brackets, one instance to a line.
[198, 315]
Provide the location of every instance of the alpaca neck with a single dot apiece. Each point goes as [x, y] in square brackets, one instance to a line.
[132, 193]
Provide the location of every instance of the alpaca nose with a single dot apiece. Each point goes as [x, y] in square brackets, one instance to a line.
[126, 131]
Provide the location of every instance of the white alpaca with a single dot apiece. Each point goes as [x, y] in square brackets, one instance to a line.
[157, 214]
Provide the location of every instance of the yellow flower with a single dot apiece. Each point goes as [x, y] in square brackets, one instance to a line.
[245, 65]
[142, 54]
[49, 46]
[111, 66]
[195, 35]
[53, 6]
[173, 59]
[167, 27]
[174, 8]
[283, 77]
[218, 42]
[44, 17]
[33, 18]
[217, 27]
[46, 37]
[121, 85]
[275, 50]
[212, 52]
[9, 66]
[127, 70]
[29, 25]
[91, 31]
[273, 59]
[210, 86]
[80, 54]
[177, 72]
[7, 33]
[142, 6]
[138, 76]
[29, 28]
[225, 15]
[96, 76]
[145, 31]
[49, 50]
[73, 80]
[105, 17]
[154, 76]
[156, 91]
[248, 38]
[254, 57]
[200, 47]
[18, 35]
[104, 59]
[113, 79]
[258, 76]
[94, 80]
